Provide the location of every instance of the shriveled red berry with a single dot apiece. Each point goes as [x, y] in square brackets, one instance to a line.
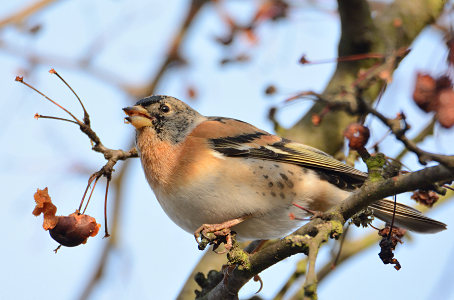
[358, 135]
[74, 229]
[445, 111]
[425, 93]
[69, 231]
[443, 82]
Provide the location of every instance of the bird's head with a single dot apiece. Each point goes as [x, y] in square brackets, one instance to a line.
[169, 118]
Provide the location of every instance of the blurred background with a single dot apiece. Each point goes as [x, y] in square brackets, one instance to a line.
[225, 58]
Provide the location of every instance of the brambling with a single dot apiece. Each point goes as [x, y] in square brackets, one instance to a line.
[213, 174]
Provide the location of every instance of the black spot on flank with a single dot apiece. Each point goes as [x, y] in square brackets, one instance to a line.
[277, 166]
[253, 172]
[261, 167]
[288, 182]
[263, 194]
[257, 193]
[273, 194]
[280, 185]
[265, 176]
[293, 193]
[270, 184]
[282, 195]
[290, 172]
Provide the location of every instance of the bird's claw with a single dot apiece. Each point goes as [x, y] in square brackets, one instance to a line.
[212, 234]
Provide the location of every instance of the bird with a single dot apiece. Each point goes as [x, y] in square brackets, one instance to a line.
[218, 175]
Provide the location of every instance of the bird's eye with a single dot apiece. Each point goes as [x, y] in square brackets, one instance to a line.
[164, 108]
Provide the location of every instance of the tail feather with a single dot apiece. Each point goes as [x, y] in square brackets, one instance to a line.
[406, 217]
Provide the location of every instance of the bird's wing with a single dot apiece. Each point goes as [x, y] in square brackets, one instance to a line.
[234, 138]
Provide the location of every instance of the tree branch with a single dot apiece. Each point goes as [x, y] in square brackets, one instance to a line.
[23, 14]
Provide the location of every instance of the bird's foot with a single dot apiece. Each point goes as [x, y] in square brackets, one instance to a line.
[216, 234]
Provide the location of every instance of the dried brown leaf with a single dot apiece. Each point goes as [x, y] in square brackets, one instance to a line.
[45, 206]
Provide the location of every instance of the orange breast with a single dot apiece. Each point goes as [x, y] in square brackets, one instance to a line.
[158, 157]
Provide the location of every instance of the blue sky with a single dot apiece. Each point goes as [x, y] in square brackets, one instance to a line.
[154, 256]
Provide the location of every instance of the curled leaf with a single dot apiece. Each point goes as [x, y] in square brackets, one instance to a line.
[427, 198]
[45, 206]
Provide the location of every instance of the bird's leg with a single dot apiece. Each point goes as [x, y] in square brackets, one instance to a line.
[314, 213]
[221, 232]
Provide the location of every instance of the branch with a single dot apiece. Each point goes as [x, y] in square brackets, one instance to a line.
[20, 16]
[395, 126]
[173, 54]
[357, 27]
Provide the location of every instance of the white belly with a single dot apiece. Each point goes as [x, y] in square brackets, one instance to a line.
[265, 191]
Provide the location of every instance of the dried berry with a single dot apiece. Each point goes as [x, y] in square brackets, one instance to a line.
[270, 90]
[424, 93]
[74, 229]
[358, 135]
[303, 60]
[388, 245]
[316, 119]
[191, 91]
[69, 231]
[427, 198]
[445, 111]
[443, 82]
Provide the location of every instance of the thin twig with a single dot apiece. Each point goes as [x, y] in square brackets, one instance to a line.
[86, 116]
[38, 116]
[106, 231]
[21, 80]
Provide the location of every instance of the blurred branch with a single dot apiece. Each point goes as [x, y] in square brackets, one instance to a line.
[173, 53]
[22, 15]
[358, 32]
[399, 132]
[427, 131]
[98, 273]
[299, 272]
[65, 62]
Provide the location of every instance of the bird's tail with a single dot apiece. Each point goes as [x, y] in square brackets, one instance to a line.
[406, 217]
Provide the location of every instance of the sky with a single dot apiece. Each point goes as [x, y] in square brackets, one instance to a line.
[154, 256]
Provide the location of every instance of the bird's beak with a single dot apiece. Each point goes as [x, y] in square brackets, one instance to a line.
[138, 116]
